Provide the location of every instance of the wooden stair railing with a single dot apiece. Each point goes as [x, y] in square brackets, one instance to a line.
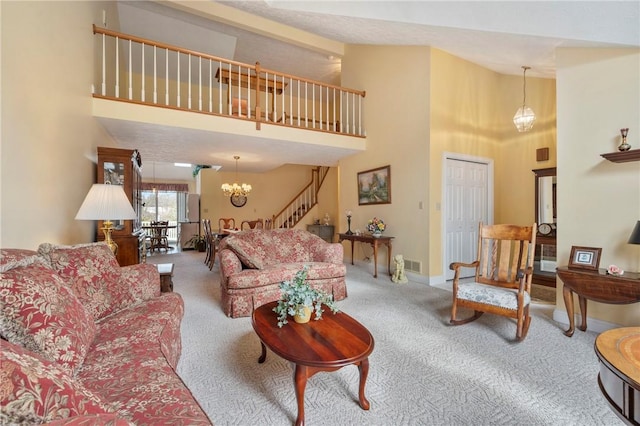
[302, 203]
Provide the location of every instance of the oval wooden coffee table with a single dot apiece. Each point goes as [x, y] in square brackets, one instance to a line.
[325, 345]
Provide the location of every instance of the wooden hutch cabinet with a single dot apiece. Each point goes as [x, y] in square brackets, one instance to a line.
[123, 167]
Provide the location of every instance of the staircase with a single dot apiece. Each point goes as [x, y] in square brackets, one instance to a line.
[302, 203]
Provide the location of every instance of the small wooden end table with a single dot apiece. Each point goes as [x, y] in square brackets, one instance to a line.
[597, 286]
[166, 276]
[375, 242]
[325, 345]
[618, 351]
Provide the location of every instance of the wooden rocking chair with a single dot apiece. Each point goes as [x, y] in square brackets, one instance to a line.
[503, 271]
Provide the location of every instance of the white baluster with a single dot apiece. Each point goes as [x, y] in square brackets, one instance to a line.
[178, 79]
[360, 115]
[199, 83]
[117, 68]
[166, 76]
[155, 75]
[313, 104]
[249, 92]
[142, 97]
[210, 86]
[189, 83]
[130, 74]
[104, 67]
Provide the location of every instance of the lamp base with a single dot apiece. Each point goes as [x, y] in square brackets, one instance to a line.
[108, 227]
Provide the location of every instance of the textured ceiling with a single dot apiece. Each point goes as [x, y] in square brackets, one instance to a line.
[499, 35]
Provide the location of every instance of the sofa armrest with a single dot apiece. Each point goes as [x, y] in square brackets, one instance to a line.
[326, 252]
[143, 280]
[229, 264]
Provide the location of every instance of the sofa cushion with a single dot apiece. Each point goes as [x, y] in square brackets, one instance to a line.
[93, 273]
[252, 278]
[140, 347]
[34, 390]
[250, 247]
[14, 256]
[38, 311]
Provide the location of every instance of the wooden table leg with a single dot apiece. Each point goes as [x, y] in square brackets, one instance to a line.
[263, 356]
[363, 367]
[375, 259]
[352, 244]
[567, 295]
[583, 312]
[300, 378]
[389, 258]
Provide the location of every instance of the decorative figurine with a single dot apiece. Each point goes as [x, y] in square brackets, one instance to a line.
[327, 219]
[398, 275]
[624, 146]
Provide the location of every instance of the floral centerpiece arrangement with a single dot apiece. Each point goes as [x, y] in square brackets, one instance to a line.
[376, 226]
[298, 299]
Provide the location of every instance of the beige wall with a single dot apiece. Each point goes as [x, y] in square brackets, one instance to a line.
[598, 201]
[396, 116]
[49, 136]
[271, 191]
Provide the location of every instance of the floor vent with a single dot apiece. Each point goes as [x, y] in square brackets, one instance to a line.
[412, 265]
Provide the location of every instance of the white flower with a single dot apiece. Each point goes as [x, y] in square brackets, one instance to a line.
[614, 270]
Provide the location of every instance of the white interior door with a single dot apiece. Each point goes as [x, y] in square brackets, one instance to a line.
[467, 202]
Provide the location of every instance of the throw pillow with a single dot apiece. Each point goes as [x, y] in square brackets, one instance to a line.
[38, 311]
[34, 390]
[247, 247]
[93, 273]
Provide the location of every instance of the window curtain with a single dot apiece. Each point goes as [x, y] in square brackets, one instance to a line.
[174, 187]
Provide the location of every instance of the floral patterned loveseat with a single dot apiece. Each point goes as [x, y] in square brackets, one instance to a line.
[86, 342]
[253, 263]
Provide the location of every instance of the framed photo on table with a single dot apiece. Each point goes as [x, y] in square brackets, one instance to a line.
[585, 258]
[374, 186]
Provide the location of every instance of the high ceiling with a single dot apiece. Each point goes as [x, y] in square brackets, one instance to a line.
[499, 35]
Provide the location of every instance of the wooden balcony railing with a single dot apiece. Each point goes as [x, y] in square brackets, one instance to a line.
[138, 70]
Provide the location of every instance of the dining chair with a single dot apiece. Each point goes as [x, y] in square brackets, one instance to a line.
[501, 283]
[159, 237]
[226, 223]
[252, 224]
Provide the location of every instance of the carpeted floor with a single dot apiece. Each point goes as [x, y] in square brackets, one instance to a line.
[422, 371]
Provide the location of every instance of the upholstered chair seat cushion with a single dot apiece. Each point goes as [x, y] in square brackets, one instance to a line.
[502, 297]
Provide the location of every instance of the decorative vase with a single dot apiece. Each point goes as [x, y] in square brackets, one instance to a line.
[302, 319]
[376, 234]
[349, 226]
[624, 146]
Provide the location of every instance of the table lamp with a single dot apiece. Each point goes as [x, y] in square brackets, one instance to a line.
[106, 202]
[635, 235]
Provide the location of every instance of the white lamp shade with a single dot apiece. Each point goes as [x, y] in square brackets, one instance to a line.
[524, 119]
[106, 202]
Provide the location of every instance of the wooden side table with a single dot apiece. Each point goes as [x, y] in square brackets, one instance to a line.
[166, 276]
[597, 286]
[375, 242]
[618, 351]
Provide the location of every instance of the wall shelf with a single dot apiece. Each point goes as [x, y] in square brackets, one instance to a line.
[623, 156]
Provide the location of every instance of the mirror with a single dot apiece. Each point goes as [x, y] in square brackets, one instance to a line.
[545, 193]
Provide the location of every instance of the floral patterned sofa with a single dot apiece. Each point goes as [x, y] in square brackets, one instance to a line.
[253, 263]
[85, 341]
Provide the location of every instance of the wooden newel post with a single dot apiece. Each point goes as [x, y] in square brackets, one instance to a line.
[257, 97]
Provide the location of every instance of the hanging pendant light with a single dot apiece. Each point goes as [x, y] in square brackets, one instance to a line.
[234, 189]
[525, 117]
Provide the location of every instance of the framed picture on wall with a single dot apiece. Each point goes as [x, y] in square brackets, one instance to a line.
[374, 186]
[585, 258]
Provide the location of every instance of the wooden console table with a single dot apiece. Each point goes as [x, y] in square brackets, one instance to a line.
[597, 286]
[375, 242]
[618, 351]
